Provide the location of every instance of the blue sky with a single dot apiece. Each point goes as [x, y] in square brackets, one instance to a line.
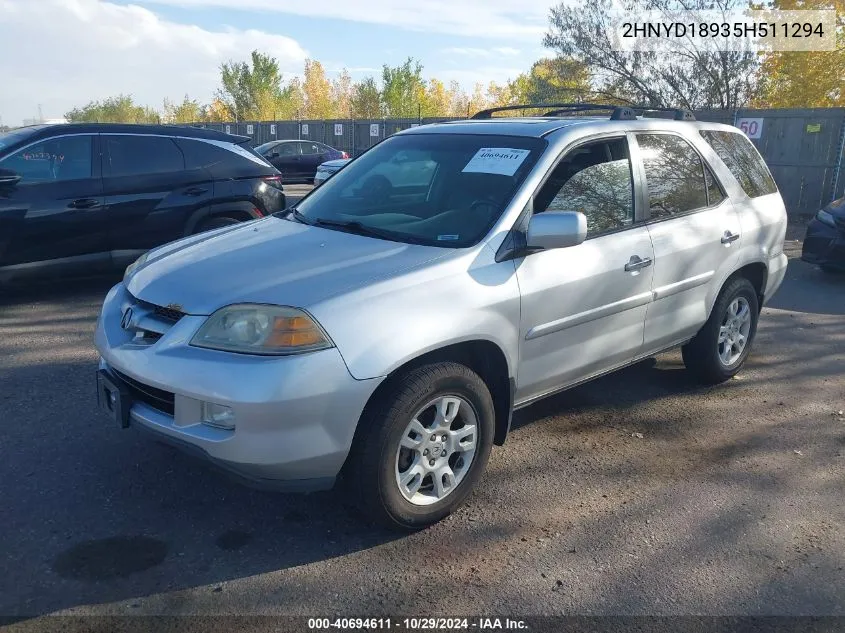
[154, 49]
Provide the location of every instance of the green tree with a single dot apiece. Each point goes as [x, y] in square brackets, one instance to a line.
[118, 109]
[189, 111]
[402, 89]
[251, 90]
[366, 99]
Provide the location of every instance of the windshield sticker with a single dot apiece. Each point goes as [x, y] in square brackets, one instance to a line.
[444, 238]
[496, 160]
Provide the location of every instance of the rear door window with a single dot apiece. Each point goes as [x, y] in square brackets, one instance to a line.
[138, 155]
[286, 149]
[674, 175]
[743, 160]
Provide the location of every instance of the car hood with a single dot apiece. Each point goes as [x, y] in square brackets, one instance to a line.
[335, 164]
[268, 261]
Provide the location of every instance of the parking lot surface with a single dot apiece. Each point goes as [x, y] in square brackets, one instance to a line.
[639, 493]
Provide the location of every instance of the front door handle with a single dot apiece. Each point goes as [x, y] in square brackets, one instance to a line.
[729, 237]
[194, 191]
[636, 263]
[84, 203]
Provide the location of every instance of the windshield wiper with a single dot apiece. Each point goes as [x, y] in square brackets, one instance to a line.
[294, 213]
[353, 226]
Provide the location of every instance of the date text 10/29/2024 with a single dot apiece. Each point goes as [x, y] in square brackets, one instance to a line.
[416, 624]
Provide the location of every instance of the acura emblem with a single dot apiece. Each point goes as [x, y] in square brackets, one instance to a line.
[126, 321]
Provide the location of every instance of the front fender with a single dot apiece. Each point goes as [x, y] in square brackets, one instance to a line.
[388, 323]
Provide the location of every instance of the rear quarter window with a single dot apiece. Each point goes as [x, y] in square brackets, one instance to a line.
[742, 159]
[223, 162]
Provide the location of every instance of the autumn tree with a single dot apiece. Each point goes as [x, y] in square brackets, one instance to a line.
[697, 74]
[805, 79]
[458, 101]
[317, 90]
[436, 99]
[341, 95]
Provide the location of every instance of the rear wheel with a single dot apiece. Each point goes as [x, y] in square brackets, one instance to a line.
[215, 223]
[720, 348]
[423, 445]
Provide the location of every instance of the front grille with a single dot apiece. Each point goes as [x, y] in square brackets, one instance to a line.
[158, 399]
[168, 314]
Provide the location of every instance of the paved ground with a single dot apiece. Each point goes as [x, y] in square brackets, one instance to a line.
[730, 503]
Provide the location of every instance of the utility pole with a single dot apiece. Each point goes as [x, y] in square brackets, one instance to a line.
[40, 114]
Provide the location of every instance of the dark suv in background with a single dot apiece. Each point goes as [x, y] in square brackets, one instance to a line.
[88, 198]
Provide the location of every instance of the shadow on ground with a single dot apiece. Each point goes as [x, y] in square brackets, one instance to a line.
[726, 504]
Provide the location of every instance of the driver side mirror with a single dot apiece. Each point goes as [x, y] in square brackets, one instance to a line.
[9, 177]
[556, 229]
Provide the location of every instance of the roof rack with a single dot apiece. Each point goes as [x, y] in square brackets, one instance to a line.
[618, 113]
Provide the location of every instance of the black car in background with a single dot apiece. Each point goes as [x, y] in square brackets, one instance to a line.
[824, 243]
[88, 198]
[298, 160]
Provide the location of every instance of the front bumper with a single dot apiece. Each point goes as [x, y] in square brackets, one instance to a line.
[295, 416]
[824, 245]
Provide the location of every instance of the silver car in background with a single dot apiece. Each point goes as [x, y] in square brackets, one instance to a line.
[328, 169]
[384, 330]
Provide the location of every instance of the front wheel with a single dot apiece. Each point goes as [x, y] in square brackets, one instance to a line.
[720, 348]
[423, 445]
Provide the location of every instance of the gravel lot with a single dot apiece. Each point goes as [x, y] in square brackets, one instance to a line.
[731, 502]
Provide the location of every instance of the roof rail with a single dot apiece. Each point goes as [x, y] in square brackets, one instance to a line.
[619, 113]
[488, 113]
[680, 114]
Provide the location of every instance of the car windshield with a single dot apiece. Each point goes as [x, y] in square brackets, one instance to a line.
[428, 188]
[8, 139]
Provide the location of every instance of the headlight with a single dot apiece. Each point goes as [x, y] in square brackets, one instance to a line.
[131, 268]
[825, 218]
[261, 329]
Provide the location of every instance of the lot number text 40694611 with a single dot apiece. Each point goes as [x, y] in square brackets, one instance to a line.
[416, 624]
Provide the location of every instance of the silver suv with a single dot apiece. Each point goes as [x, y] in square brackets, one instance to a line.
[384, 330]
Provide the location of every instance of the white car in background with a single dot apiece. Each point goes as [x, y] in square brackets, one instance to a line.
[327, 169]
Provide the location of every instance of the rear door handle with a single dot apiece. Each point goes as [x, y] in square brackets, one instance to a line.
[84, 203]
[636, 263]
[194, 191]
[729, 237]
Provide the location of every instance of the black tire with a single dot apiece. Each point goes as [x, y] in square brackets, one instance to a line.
[372, 462]
[216, 222]
[701, 354]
